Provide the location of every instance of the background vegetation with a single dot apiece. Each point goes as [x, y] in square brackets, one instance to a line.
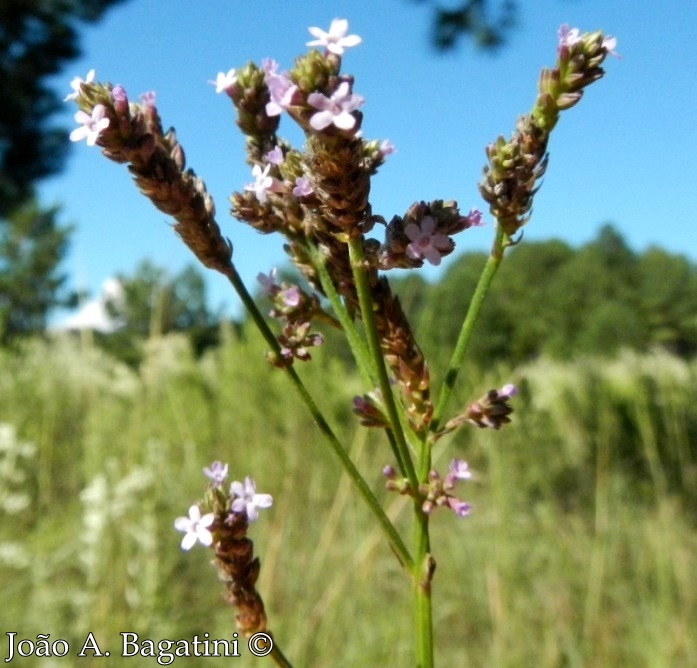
[581, 549]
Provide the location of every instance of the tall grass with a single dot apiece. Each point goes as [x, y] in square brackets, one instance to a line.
[581, 551]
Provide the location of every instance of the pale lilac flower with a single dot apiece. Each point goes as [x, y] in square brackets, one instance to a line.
[459, 470]
[275, 156]
[509, 390]
[268, 282]
[224, 81]
[290, 296]
[216, 473]
[75, 85]
[461, 508]
[302, 187]
[474, 218]
[281, 88]
[568, 36]
[263, 183]
[120, 99]
[91, 125]
[386, 148]
[148, 99]
[248, 501]
[195, 528]
[336, 109]
[334, 41]
[426, 242]
[609, 44]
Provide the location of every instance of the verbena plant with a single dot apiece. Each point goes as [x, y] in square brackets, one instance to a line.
[317, 198]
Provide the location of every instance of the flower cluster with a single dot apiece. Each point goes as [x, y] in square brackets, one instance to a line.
[296, 309]
[223, 526]
[438, 491]
[516, 165]
[492, 410]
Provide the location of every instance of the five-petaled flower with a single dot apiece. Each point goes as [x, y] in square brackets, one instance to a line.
[334, 41]
[247, 500]
[335, 109]
[216, 473]
[263, 183]
[76, 83]
[426, 242]
[195, 528]
[224, 81]
[568, 36]
[281, 88]
[91, 125]
[302, 187]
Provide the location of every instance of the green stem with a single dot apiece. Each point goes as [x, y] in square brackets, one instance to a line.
[501, 242]
[279, 658]
[358, 347]
[421, 578]
[391, 532]
[365, 301]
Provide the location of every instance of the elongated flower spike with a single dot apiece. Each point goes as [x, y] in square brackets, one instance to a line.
[224, 528]
[517, 165]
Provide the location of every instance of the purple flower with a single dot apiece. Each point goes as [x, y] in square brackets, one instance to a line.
[263, 183]
[386, 148]
[281, 88]
[609, 44]
[290, 296]
[195, 528]
[91, 125]
[248, 501]
[459, 470]
[335, 109]
[148, 99]
[461, 508]
[268, 282]
[426, 242]
[568, 36]
[216, 473]
[275, 156]
[334, 41]
[224, 81]
[76, 83]
[302, 187]
[120, 99]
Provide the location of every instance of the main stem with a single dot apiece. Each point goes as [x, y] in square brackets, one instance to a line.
[393, 536]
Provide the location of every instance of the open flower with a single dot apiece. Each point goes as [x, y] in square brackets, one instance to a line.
[224, 81]
[91, 125]
[335, 109]
[195, 528]
[216, 473]
[248, 501]
[426, 242]
[76, 83]
[302, 187]
[263, 183]
[334, 41]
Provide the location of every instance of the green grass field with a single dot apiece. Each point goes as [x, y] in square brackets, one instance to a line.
[581, 551]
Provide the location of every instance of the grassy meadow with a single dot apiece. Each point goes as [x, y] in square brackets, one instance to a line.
[581, 550]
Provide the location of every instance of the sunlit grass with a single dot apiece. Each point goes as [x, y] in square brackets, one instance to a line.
[581, 551]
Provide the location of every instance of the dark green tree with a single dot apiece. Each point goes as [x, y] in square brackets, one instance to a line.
[486, 22]
[37, 39]
[32, 246]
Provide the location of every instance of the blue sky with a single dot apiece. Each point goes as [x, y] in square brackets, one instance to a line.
[626, 154]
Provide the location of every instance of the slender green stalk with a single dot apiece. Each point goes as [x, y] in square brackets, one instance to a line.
[365, 301]
[421, 578]
[279, 658]
[358, 347]
[391, 532]
[501, 241]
